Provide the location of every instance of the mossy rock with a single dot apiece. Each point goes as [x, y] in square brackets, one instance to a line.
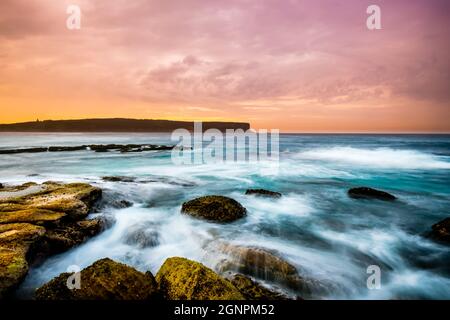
[15, 242]
[103, 280]
[39, 220]
[252, 290]
[214, 208]
[183, 279]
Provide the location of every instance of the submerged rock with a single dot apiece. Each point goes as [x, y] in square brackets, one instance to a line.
[40, 220]
[122, 204]
[251, 290]
[261, 264]
[183, 279]
[214, 208]
[369, 193]
[142, 236]
[263, 193]
[441, 230]
[119, 179]
[103, 280]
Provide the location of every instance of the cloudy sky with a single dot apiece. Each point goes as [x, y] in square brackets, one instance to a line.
[296, 65]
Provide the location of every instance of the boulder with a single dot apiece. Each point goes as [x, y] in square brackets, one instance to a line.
[441, 230]
[214, 208]
[369, 193]
[263, 193]
[103, 280]
[260, 263]
[251, 290]
[183, 279]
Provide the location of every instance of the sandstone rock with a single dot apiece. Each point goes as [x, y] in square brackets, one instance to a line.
[39, 222]
[214, 208]
[263, 193]
[103, 280]
[183, 279]
[369, 193]
[15, 242]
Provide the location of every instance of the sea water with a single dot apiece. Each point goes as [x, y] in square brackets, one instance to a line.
[314, 226]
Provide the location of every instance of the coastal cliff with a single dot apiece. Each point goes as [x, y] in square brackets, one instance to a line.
[115, 125]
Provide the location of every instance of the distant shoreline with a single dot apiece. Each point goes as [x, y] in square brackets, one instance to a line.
[114, 125]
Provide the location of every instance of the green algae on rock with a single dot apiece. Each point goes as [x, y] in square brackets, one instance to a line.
[105, 279]
[183, 279]
[40, 220]
[214, 208]
[15, 241]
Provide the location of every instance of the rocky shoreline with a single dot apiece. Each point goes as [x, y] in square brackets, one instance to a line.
[37, 221]
[123, 148]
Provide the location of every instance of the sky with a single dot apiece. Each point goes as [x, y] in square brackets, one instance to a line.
[297, 66]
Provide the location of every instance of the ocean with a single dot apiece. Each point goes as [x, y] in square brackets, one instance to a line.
[314, 226]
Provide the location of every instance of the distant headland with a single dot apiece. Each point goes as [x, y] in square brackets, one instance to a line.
[115, 125]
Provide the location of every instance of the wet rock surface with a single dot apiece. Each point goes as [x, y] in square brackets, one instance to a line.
[183, 279]
[251, 290]
[93, 147]
[260, 263]
[103, 280]
[214, 208]
[40, 220]
[441, 230]
[263, 193]
[370, 193]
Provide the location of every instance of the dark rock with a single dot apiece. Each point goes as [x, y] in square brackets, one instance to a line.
[122, 204]
[251, 290]
[103, 280]
[263, 193]
[119, 179]
[27, 150]
[1, 186]
[441, 230]
[183, 279]
[142, 236]
[369, 193]
[214, 208]
[61, 149]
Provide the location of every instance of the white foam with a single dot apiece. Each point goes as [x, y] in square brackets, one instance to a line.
[378, 157]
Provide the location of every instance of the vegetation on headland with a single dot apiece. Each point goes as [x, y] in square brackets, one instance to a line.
[115, 125]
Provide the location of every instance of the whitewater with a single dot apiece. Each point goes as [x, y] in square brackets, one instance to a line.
[314, 226]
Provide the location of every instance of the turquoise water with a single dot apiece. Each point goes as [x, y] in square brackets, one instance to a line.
[315, 226]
